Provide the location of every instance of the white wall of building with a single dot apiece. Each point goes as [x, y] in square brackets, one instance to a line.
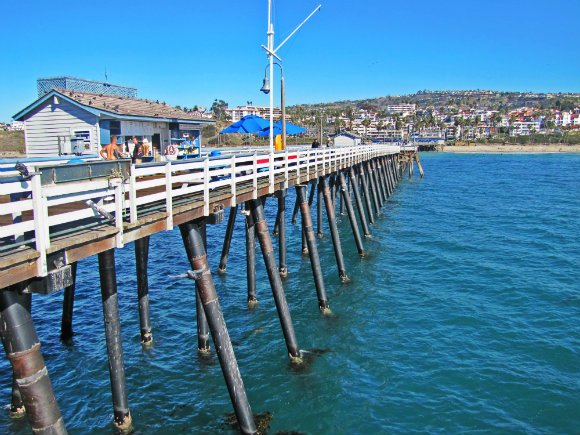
[58, 118]
[343, 140]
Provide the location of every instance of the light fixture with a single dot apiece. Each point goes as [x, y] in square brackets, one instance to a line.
[266, 86]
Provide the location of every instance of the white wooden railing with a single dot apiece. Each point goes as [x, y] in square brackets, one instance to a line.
[153, 185]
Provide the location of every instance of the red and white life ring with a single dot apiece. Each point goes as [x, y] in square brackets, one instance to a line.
[171, 150]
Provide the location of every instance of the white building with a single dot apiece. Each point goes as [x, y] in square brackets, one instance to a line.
[525, 128]
[239, 112]
[566, 119]
[402, 109]
[16, 126]
[346, 139]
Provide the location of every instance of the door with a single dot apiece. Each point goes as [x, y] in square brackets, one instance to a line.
[156, 142]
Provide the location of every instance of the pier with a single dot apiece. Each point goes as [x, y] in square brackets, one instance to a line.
[53, 216]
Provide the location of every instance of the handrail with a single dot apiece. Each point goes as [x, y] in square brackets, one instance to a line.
[165, 183]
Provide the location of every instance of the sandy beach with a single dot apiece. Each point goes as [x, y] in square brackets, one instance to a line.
[512, 148]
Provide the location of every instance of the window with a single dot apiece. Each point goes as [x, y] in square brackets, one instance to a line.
[86, 135]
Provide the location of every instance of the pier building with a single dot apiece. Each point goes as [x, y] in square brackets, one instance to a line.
[60, 117]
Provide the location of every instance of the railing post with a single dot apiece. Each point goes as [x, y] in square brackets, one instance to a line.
[168, 197]
[119, 199]
[41, 229]
[206, 186]
[255, 177]
[271, 172]
[286, 169]
[233, 200]
[133, 195]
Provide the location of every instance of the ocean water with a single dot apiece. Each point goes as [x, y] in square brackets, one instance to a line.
[464, 318]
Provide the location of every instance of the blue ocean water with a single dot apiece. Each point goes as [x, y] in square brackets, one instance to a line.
[464, 318]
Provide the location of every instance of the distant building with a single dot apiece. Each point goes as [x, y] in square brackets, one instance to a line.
[402, 109]
[566, 119]
[346, 138]
[525, 128]
[16, 126]
[58, 116]
[239, 112]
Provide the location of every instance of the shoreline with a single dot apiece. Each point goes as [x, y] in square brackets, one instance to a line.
[511, 148]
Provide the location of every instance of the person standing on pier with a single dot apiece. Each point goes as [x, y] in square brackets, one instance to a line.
[111, 151]
[315, 143]
[137, 151]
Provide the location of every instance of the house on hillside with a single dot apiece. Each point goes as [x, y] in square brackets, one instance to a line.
[60, 118]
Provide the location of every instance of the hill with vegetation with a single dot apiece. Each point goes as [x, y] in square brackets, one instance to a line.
[454, 100]
[11, 143]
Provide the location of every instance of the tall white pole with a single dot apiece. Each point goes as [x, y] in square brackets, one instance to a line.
[271, 58]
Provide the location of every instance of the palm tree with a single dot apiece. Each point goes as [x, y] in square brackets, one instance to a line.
[366, 123]
[350, 115]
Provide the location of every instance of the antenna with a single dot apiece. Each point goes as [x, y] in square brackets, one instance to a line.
[106, 76]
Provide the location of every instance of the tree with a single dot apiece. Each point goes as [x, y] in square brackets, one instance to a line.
[350, 115]
[366, 123]
[218, 109]
[398, 123]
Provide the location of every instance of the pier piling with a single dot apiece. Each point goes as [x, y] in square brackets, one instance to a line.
[282, 268]
[373, 188]
[142, 260]
[205, 288]
[366, 193]
[359, 205]
[377, 178]
[312, 249]
[110, 300]
[17, 408]
[319, 232]
[387, 174]
[419, 165]
[330, 213]
[66, 329]
[351, 216]
[380, 181]
[202, 325]
[250, 257]
[228, 240]
[257, 210]
[385, 171]
[22, 348]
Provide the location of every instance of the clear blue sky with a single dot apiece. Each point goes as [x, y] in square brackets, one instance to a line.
[191, 52]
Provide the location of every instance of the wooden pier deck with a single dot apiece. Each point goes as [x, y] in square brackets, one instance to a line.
[46, 223]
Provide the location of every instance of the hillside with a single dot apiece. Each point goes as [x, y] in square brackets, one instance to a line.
[478, 99]
[11, 143]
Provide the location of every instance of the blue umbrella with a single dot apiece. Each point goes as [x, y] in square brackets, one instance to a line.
[248, 124]
[290, 129]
